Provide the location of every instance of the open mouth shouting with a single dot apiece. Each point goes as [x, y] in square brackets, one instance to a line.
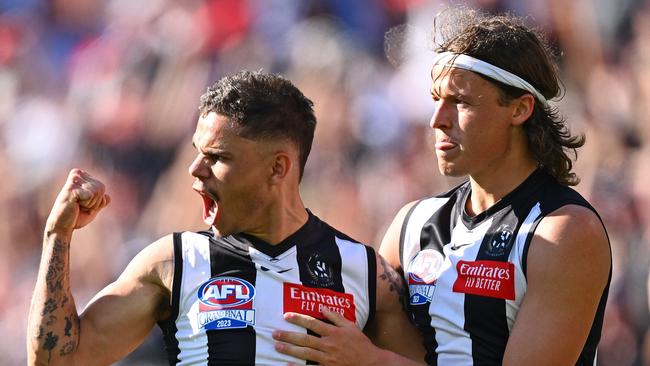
[210, 208]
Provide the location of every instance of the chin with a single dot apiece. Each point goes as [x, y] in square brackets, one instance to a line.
[450, 170]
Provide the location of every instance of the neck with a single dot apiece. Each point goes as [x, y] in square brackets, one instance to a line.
[488, 189]
[287, 221]
[279, 218]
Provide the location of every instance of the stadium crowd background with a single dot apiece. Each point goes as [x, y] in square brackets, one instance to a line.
[112, 86]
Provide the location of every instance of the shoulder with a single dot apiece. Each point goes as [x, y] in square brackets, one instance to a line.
[154, 263]
[571, 225]
[570, 239]
[390, 244]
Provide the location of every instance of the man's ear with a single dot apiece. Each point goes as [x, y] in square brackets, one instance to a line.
[280, 166]
[523, 109]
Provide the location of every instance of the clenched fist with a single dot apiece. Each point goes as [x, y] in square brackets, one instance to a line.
[79, 201]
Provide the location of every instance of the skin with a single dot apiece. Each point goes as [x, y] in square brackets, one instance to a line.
[568, 269]
[255, 185]
[119, 317]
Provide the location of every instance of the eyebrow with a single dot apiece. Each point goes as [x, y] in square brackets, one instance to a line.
[451, 94]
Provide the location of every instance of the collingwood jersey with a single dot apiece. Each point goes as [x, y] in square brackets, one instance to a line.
[467, 275]
[229, 294]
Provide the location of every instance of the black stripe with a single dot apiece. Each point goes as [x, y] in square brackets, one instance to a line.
[485, 317]
[168, 326]
[372, 283]
[231, 346]
[435, 233]
[402, 233]
[319, 266]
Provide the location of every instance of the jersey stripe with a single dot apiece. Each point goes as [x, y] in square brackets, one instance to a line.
[356, 264]
[312, 274]
[234, 346]
[490, 334]
[372, 283]
[418, 216]
[168, 327]
[267, 268]
[192, 351]
[454, 342]
[524, 235]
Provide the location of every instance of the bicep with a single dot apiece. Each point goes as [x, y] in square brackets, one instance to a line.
[567, 270]
[120, 316]
[391, 328]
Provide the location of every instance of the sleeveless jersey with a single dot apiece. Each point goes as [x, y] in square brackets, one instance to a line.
[229, 294]
[467, 275]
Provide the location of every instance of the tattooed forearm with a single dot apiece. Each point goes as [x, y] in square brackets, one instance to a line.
[396, 282]
[50, 342]
[49, 306]
[68, 326]
[53, 319]
[67, 348]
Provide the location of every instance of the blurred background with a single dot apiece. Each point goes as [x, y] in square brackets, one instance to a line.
[112, 86]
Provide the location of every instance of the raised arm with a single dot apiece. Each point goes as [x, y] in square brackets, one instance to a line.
[567, 270]
[119, 317]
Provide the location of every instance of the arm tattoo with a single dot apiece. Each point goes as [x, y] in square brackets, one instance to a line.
[396, 282]
[68, 326]
[51, 341]
[67, 348]
[51, 299]
[50, 320]
[50, 306]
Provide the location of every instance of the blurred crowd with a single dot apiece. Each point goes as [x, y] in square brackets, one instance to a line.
[112, 86]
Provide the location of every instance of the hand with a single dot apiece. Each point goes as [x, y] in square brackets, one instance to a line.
[79, 201]
[340, 344]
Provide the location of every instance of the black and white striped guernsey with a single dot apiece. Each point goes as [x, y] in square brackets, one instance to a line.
[467, 275]
[229, 294]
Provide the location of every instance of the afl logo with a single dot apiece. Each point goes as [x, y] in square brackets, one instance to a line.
[414, 279]
[226, 292]
[425, 267]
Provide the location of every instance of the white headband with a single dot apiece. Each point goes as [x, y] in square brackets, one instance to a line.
[470, 63]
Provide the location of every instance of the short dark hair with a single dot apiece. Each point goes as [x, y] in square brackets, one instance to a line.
[505, 41]
[264, 106]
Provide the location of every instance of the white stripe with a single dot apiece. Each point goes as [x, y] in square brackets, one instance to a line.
[354, 274]
[268, 306]
[448, 312]
[470, 63]
[419, 216]
[516, 256]
[196, 270]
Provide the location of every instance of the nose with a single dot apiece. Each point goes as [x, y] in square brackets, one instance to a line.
[441, 118]
[198, 168]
